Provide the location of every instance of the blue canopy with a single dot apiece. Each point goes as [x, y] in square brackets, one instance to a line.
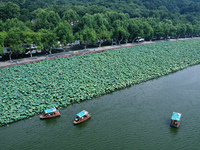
[82, 113]
[51, 110]
[176, 116]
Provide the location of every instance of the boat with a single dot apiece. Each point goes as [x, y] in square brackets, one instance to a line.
[175, 119]
[50, 113]
[81, 117]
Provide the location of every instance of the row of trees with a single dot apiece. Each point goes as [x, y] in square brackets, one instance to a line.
[88, 29]
[54, 24]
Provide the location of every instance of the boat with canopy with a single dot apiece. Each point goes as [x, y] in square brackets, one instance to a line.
[175, 119]
[81, 117]
[50, 113]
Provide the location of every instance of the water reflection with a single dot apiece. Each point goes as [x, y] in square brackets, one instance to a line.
[51, 121]
[173, 130]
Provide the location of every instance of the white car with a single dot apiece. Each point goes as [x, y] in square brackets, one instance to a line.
[140, 40]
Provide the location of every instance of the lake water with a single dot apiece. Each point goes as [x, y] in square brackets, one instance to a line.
[133, 118]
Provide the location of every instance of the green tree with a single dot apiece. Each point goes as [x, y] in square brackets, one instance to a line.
[1, 26]
[71, 17]
[181, 29]
[120, 31]
[189, 29]
[14, 41]
[100, 21]
[49, 39]
[173, 30]
[2, 41]
[196, 29]
[103, 34]
[41, 19]
[87, 35]
[30, 38]
[140, 31]
[64, 33]
[9, 11]
[30, 25]
[53, 19]
[120, 34]
[133, 30]
[159, 30]
[14, 22]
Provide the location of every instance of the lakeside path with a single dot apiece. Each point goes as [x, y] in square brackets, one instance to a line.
[8, 63]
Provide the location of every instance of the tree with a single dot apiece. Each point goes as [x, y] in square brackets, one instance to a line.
[159, 30]
[41, 19]
[87, 20]
[181, 29]
[102, 34]
[64, 33]
[140, 30]
[14, 41]
[49, 39]
[30, 38]
[24, 15]
[173, 30]
[196, 29]
[189, 29]
[87, 35]
[1, 26]
[133, 29]
[2, 41]
[30, 25]
[14, 22]
[53, 19]
[9, 11]
[71, 17]
[120, 31]
[100, 21]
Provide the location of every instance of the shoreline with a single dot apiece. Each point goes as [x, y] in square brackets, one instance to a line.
[35, 59]
[63, 82]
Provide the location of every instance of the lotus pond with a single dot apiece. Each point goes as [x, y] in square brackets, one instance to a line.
[28, 89]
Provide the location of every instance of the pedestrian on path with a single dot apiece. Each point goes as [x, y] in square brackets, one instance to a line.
[47, 55]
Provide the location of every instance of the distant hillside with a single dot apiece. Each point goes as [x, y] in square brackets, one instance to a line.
[170, 9]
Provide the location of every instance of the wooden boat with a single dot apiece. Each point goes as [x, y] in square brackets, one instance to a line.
[175, 119]
[81, 117]
[50, 113]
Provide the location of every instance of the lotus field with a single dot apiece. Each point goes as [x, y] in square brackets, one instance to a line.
[28, 89]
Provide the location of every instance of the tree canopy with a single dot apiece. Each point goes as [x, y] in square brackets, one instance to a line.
[93, 21]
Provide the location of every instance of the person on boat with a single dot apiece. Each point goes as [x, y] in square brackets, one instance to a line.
[76, 119]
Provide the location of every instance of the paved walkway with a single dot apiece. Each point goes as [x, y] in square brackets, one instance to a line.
[8, 63]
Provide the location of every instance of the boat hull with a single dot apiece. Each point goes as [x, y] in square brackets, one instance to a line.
[175, 125]
[50, 116]
[88, 116]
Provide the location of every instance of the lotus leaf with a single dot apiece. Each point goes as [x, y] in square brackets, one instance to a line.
[30, 88]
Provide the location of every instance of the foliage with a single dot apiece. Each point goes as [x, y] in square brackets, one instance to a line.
[119, 20]
[30, 38]
[14, 40]
[87, 35]
[2, 39]
[9, 11]
[30, 88]
[48, 39]
[64, 33]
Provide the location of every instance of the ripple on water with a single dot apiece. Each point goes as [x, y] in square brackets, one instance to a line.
[134, 118]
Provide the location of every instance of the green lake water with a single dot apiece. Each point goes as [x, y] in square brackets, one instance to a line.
[133, 118]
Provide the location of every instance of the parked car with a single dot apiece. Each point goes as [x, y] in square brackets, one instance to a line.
[140, 40]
